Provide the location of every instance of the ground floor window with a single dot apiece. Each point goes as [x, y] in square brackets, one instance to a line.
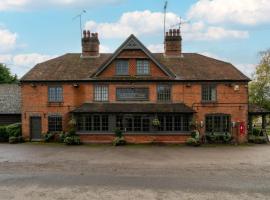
[93, 123]
[217, 123]
[174, 122]
[55, 123]
[133, 123]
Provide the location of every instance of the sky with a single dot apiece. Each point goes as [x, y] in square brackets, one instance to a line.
[33, 31]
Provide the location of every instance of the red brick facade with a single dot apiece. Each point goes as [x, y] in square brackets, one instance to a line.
[229, 101]
[231, 96]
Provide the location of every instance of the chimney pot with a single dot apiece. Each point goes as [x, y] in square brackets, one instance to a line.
[170, 32]
[173, 43]
[90, 44]
[178, 32]
[174, 32]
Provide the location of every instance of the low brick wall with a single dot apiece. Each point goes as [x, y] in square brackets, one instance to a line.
[136, 139]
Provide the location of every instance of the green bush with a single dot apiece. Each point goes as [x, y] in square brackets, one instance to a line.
[3, 134]
[256, 131]
[119, 141]
[193, 142]
[61, 137]
[49, 137]
[14, 130]
[118, 133]
[72, 140]
[214, 137]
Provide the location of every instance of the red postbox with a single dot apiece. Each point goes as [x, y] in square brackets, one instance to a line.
[242, 128]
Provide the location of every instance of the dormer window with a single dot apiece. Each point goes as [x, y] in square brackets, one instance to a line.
[143, 67]
[121, 67]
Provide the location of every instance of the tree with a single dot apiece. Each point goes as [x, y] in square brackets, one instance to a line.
[259, 88]
[6, 76]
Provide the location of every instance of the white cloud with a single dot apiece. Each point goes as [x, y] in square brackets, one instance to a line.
[248, 12]
[105, 49]
[149, 23]
[137, 22]
[156, 48]
[202, 32]
[27, 4]
[247, 69]
[7, 40]
[21, 63]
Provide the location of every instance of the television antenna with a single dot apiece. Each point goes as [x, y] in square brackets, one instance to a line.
[180, 23]
[80, 17]
[165, 13]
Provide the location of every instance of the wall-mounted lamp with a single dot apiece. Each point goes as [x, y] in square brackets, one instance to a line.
[201, 124]
[188, 85]
[33, 85]
[76, 85]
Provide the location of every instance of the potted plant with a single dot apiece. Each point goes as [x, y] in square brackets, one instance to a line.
[119, 138]
[156, 123]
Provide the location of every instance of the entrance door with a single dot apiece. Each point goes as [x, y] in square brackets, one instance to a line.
[35, 128]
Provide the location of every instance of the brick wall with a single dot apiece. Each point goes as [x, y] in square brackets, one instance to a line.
[229, 101]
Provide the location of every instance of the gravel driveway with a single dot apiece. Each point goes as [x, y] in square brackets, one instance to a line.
[52, 171]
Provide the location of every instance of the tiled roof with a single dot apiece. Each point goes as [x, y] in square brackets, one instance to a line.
[189, 67]
[256, 109]
[10, 99]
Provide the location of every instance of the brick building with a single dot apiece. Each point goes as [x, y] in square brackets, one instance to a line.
[131, 88]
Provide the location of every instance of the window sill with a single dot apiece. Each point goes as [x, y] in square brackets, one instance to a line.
[209, 102]
[55, 103]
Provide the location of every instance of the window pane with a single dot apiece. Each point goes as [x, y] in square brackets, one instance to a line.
[178, 123]
[105, 122]
[163, 93]
[88, 123]
[122, 67]
[217, 123]
[169, 123]
[143, 67]
[137, 123]
[101, 93]
[146, 124]
[55, 123]
[55, 94]
[209, 93]
[96, 123]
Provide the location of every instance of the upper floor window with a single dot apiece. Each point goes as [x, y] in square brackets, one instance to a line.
[55, 123]
[163, 92]
[132, 94]
[122, 67]
[55, 94]
[209, 93]
[101, 93]
[143, 67]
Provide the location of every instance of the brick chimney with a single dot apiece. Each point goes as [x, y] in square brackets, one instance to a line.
[173, 43]
[90, 44]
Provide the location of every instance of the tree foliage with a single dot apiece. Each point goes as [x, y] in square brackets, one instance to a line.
[6, 76]
[259, 88]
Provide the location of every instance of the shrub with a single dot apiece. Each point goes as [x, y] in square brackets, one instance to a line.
[14, 130]
[13, 140]
[119, 141]
[61, 137]
[49, 137]
[3, 134]
[72, 140]
[256, 131]
[193, 142]
[118, 133]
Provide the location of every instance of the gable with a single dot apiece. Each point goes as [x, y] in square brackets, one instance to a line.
[132, 56]
[132, 48]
